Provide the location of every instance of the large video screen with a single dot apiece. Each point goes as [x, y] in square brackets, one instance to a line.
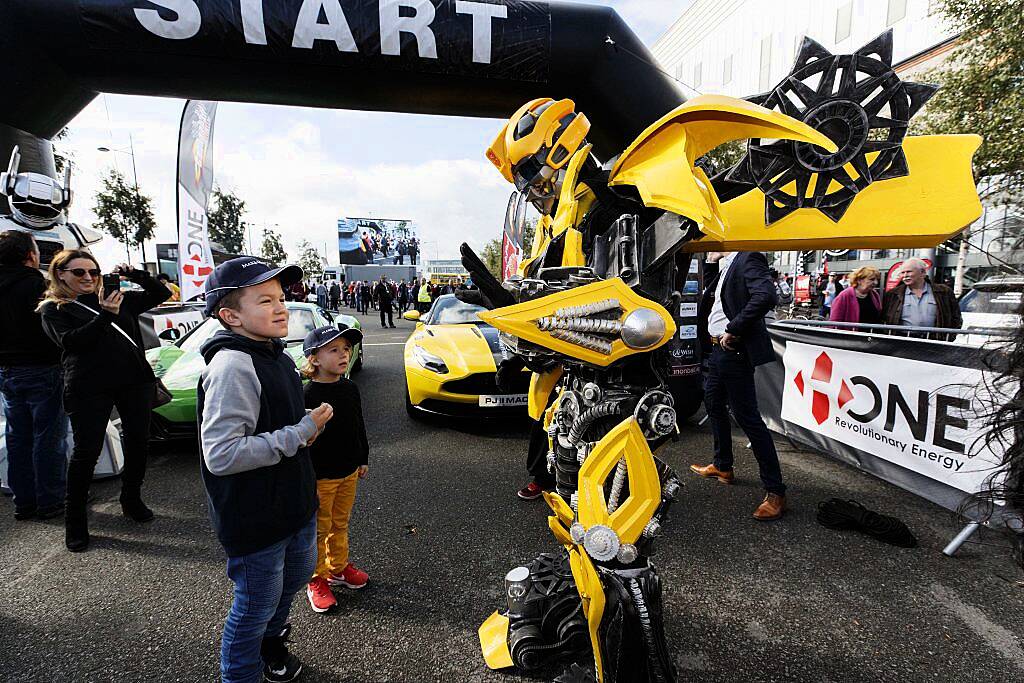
[376, 240]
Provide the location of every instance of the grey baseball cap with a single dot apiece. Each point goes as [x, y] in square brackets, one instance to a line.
[322, 336]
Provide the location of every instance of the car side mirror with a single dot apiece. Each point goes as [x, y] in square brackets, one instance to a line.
[412, 315]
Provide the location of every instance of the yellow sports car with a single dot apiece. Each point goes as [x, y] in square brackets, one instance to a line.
[450, 361]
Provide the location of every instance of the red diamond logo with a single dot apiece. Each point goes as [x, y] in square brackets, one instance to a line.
[819, 407]
[799, 381]
[822, 368]
[196, 270]
[845, 395]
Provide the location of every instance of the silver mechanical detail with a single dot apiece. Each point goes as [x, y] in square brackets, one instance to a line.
[652, 529]
[588, 325]
[574, 501]
[654, 413]
[553, 429]
[591, 393]
[670, 489]
[601, 542]
[588, 309]
[583, 450]
[627, 553]
[662, 419]
[587, 341]
[643, 328]
[617, 484]
[576, 533]
[517, 585]
[569, 408]
[551, 462]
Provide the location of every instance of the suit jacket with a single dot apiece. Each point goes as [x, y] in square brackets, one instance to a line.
[748, 294]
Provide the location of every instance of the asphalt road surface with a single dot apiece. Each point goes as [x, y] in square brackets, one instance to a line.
[437, 525]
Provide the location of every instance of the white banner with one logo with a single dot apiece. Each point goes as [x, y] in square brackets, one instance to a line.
[195, 183]
[925, 417]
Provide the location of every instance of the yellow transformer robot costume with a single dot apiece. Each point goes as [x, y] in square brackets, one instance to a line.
[827, 166]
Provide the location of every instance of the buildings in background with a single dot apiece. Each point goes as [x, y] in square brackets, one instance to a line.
[745, 47]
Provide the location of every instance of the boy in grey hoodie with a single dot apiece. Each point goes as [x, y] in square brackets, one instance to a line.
[260, 485]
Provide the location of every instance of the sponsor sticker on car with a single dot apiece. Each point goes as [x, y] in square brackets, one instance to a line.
[503, 400]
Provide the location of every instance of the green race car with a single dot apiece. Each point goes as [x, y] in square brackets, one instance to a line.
[180, 365]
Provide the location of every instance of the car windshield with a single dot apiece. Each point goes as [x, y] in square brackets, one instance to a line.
[300, 323]
[1001, 303]
[448, 310]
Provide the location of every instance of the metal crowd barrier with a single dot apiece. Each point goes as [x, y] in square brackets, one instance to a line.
[911, 334]
[903, 330]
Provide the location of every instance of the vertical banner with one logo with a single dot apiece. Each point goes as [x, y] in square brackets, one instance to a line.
[512, 236]
[195, 183]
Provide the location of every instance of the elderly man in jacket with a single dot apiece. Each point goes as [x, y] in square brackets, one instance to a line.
[732, 329]
[918, 302]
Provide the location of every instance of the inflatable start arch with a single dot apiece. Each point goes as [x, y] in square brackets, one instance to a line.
[455, 57]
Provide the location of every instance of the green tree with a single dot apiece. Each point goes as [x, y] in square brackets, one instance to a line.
[310, 261]
[273, 249]
[982, 91]
[491, 256]
[123, 213]
[723, 157]
[225, 220]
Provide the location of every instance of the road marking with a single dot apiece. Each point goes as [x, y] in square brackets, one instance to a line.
[995, 636]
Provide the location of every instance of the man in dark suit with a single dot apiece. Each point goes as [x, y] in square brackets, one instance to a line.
[735, 338]
[384, 297]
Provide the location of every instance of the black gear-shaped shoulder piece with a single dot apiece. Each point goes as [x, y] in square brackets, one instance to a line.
[860, 103]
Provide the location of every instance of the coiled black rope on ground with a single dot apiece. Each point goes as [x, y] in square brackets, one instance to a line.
[849, 514]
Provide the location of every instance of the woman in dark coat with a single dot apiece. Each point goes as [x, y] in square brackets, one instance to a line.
[104, 367]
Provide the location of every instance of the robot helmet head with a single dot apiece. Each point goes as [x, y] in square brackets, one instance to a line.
[36, 200]
[537, 142]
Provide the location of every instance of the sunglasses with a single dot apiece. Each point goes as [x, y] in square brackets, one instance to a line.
[80, 272]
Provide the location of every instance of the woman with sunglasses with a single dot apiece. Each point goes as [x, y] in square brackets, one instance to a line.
[104, 366]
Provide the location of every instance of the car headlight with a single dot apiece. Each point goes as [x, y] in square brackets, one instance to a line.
[428, 360]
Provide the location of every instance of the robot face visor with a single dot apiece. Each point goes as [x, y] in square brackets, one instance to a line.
[37, 197]
[38, 189]
[532, 171]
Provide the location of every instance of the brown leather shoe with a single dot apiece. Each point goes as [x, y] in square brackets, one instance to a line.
[714, 472]
[770, 508]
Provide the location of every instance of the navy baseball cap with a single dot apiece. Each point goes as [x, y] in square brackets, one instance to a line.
[244, 271]
[322, 336]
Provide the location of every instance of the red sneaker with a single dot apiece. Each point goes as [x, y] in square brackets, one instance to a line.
[350, 577]
[531, 491]
[320, 596]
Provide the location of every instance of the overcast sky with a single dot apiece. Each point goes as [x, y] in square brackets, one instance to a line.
[301, 169]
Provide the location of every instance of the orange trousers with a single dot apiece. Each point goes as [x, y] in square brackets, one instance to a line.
[336, 499]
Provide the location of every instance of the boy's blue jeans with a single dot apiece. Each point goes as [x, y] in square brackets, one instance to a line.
[265, 583]
[37, 451]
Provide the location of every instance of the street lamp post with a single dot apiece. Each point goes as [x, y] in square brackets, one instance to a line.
[135, 177]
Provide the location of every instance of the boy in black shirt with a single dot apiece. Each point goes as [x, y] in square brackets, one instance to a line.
[339, 459]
